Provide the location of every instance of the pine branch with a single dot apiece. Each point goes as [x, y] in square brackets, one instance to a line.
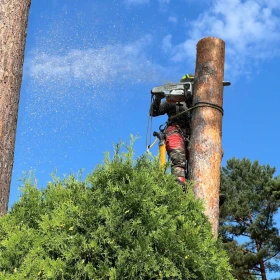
[271, 257]
[248, 225]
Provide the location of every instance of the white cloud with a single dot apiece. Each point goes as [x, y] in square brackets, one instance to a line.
[173, 19]
[249, 28]
[166, 43]
[120, 63]
[273, 4]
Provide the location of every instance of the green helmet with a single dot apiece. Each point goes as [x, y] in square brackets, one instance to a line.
[187, 78]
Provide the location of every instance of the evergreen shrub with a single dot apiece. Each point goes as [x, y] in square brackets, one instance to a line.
[127, 220]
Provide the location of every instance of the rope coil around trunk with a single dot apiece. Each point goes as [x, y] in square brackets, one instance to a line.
[198, 105]
[208, 104]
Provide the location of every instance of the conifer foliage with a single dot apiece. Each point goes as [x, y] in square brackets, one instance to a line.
[247, 218]
[127, 220]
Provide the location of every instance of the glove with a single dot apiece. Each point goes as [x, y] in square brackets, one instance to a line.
[159, 95]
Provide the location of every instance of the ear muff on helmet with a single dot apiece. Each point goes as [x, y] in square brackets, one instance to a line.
[187, 78]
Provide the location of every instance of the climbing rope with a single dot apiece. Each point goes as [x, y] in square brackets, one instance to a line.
[198, 105]
[207, 104]
[149, 128]
[151, 145]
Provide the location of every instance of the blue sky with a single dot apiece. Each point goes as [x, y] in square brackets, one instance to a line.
[89, 67]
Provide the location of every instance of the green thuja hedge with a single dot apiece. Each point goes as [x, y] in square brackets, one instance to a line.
[127, 220]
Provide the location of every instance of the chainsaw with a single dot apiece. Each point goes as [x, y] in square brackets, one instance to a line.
[178, 92]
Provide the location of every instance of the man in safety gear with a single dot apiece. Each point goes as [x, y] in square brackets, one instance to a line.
[177, 131]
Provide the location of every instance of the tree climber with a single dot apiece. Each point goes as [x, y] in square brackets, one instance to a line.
[177, 131]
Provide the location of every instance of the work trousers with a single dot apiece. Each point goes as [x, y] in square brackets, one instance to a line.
[177, 149]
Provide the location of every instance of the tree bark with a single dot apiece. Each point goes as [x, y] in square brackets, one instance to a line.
[13, 25]
[261, 262]
[206, 126]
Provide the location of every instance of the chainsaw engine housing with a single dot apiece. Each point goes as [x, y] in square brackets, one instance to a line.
[174, 93]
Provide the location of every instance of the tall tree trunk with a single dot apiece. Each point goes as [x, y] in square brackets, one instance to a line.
[206, 127]
[13, 25]
[258, 246]
[261, 262]
[263, 273]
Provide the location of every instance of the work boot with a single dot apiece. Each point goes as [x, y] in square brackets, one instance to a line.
[222, 199]
[182, 182]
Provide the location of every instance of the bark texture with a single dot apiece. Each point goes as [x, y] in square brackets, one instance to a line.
[205, 143]
[13, 25]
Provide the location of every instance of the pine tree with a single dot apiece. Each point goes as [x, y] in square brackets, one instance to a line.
[127, 220]
[247, 219]
[13, 24]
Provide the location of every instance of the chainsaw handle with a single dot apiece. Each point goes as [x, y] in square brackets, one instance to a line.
[159, 135]
[226, 83]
